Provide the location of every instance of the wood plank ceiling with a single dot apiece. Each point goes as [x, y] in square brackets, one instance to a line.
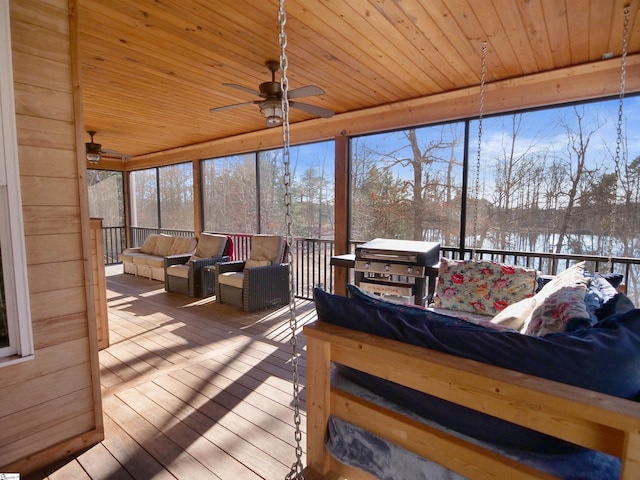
[152, 69]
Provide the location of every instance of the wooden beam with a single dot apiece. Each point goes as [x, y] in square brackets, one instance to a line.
[583, 82]
[85, 224]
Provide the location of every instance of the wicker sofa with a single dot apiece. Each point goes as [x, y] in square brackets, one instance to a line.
[149, 259]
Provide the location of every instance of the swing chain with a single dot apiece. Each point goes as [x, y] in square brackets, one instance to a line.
[296, 468]
[477, 179]
[623, 72]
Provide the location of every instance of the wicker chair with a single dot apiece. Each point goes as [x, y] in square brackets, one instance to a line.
[260, 282]
[183, 275]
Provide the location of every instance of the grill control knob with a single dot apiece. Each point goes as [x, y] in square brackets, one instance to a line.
[367, 265]
[387, 267]
[409, 270]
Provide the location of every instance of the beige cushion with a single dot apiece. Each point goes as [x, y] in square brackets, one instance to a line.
[137, 258]
[149, 244]
[515, 314]
[149, 260]
[250, 263]
[183, 246]
[267, 247]
[163, 245]
[181, 271]
[560, 300]
[233, 279]
[210, 245]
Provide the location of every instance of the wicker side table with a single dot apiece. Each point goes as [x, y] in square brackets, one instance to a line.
[208, 280]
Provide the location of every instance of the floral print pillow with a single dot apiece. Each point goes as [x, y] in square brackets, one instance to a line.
[560, 300]
[481, 287]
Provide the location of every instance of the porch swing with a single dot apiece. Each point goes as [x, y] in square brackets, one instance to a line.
[550, 389]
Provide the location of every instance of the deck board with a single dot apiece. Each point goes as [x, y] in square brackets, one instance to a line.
[191, 389]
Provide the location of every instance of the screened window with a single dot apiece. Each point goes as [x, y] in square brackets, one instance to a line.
[106, 197]
[548, 182]
[176, 196]
[229, 194]
[311, 186]
[144, 198]
[408, 184]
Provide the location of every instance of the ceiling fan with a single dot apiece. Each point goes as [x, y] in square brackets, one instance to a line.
[271, 103]
[95, 151]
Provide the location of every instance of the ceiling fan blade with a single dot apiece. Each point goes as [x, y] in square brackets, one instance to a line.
[113, 153]
[319, 111]
[307, 91]
[243, 88]
[228, 107]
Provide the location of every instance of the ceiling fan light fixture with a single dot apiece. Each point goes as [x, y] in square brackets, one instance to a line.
[272, 110]
[93, 157]
[93, 149]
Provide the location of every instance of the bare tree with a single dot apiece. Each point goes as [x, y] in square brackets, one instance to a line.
[577, 145]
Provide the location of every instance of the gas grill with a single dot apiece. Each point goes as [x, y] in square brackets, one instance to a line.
[397, 269]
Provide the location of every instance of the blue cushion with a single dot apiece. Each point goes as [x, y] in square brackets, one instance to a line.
[604, 358]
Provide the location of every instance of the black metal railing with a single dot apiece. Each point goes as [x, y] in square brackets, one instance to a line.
[115, 241]
[138, 234]
[312, 259]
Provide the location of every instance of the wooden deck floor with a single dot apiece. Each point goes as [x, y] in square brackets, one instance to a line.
[191, 389]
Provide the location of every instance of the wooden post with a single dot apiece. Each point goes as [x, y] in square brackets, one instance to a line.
[99, 283]
[631, 458]
[341, 237]
[318, 391]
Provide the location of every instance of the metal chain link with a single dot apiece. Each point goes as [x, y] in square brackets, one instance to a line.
[297, 467]
[477, 186]
[623, 72]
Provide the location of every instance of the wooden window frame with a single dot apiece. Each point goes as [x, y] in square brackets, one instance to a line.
[14, 264]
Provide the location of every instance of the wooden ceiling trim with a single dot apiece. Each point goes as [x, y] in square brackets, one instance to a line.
[351, 94]
[437, 22]
[303, 53]
[443, 75]
[340, 66]
[571, 84]
[617, 25]
[489, 19]
[466, 20]
[169, 55]
[555, 20]
[600, 21]
[240, 35]
[162, 40]
[368, 62]
[366, 24]
[527, 35]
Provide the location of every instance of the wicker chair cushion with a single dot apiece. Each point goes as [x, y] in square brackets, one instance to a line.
[250, 263]
[182, 246]
[233, 279]
[181, 271]
[210, 245]
[267, 247]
